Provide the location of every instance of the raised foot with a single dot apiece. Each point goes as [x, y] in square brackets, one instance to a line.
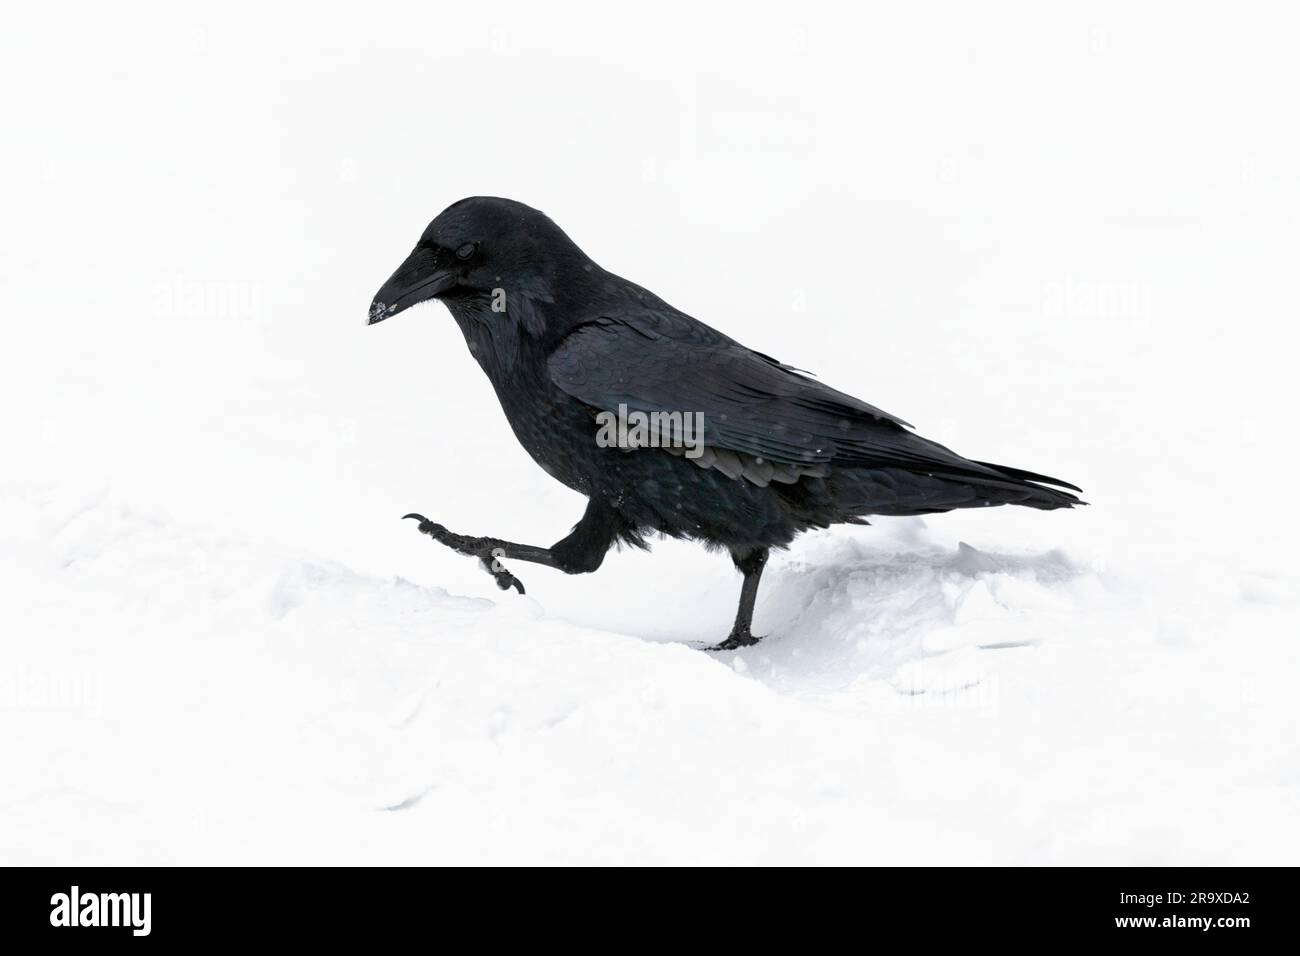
[739, 637]
[487, 550]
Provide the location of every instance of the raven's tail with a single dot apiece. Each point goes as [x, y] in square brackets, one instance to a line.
[899, 491]
[1015, 486]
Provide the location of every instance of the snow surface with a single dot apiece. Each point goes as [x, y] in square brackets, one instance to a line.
[1065, 242]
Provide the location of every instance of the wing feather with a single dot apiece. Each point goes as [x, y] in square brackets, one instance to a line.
[754, 408]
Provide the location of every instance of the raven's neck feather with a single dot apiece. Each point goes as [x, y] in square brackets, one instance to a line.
[501, 341]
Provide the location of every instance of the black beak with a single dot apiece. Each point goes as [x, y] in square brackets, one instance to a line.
[419, 278]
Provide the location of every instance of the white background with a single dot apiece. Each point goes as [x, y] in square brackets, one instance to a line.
[1063, 239]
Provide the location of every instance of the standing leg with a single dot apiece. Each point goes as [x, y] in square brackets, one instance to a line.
[751, 565]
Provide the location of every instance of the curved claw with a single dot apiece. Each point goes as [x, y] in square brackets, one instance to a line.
[505, 580]
[431, 528]
[424, 523]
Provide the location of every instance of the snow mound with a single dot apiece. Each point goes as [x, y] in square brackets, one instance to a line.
[908, 613]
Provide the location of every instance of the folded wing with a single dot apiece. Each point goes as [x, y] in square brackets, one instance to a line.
[758, 414]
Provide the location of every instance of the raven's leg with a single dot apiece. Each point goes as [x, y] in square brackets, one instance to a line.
[582, 551]
[751, 565]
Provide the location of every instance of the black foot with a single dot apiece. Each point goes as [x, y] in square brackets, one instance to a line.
[739, 637]
[485, 549]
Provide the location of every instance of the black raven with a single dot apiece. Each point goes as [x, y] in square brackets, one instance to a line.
[567, 345]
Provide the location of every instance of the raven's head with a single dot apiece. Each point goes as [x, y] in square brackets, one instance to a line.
[494, 257]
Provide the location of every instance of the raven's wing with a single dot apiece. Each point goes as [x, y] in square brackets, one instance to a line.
[761, 418]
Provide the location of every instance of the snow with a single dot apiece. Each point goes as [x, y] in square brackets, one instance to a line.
[1066, 244]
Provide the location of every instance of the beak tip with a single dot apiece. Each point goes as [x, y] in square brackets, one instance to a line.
[378, 312]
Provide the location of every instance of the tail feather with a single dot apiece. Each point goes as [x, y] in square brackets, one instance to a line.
[1030, 490]
[1023, 475]
[899, 491]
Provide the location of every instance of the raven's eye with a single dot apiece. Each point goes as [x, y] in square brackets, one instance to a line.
[467, 251]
